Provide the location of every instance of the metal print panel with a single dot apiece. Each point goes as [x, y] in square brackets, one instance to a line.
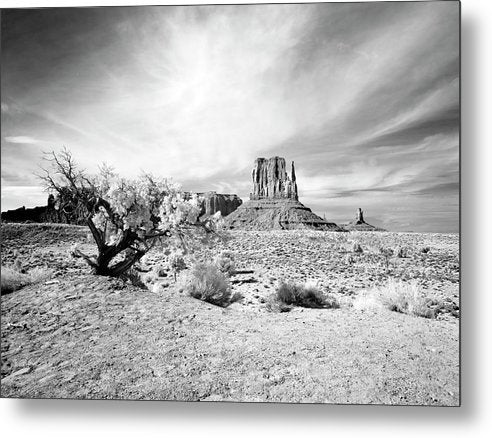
[248, 203]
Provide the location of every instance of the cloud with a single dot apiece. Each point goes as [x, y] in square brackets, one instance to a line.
[23, 139]
[5, 107]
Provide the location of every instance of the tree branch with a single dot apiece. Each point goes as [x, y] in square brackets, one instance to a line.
[120, 267]
[166, 233]
[90, 260]
[96, 234]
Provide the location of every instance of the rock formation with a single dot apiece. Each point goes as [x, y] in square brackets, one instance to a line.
[23, 214]
[64, 209]
[214, 202]
[59, 209]
[360, 216]
[274, 202]
[270, 180]
[359, 224]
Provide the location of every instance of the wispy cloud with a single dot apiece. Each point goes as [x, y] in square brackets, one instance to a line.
[23, 139]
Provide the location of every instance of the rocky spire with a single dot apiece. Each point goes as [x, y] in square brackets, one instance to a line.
[359, 218]
[271, 181]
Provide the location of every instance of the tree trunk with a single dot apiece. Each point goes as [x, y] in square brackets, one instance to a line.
[104, 258]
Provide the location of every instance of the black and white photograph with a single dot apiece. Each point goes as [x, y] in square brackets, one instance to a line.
[232, 203]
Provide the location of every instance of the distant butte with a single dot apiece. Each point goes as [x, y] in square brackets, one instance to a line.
[359, 224]
[274, 201]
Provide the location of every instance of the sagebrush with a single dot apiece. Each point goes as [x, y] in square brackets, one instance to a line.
[304, 295]
[405, 297]
[13, 279]
[225, 262]
[206, 282]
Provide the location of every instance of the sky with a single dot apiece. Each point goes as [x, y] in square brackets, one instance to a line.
[363, 97]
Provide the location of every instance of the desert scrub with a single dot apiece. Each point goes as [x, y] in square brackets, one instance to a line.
[13, 279]
[176, 264]
[401, 252]
[357, 248]
[367, 301]
[225, 262]
[206, 282]
[132, 276]
[387, 253]
[403, 297]
[273, 304]
[304, 295]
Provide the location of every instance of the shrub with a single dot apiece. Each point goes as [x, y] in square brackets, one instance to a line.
[357, 248]
[307, 295]
[387, 253]
[273, 304]
[225, 262]
[206, 282]
[13, 279]
[367, 301]
[132, 276]
[177, 264]
[401, 252]
[402, 297]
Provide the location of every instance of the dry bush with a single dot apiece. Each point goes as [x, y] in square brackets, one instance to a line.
[357, 248]
[133, 277]
[206, 282]
[401, 252]
[304, 295]
[225, 262]
[177, 264]
[13, 279]
[402, 297]
[367, 301]
[387, 253]
[273, 304]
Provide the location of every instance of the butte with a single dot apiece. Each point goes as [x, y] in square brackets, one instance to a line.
[274, 202]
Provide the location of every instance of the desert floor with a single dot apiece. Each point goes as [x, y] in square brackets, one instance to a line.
[81, 336]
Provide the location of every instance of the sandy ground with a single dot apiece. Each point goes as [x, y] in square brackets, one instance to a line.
[81, 336]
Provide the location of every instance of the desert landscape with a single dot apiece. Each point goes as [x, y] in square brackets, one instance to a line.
[77, 335]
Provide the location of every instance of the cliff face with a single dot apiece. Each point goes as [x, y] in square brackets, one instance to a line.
[59, 209]
[214, 202]
[271, 181]
[23, 214]
[64, 209]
